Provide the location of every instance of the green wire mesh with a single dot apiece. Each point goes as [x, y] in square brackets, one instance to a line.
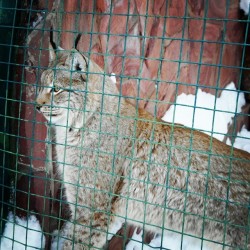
[27, 153]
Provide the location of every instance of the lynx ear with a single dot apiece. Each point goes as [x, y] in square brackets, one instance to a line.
[52, 54]
[78, 61]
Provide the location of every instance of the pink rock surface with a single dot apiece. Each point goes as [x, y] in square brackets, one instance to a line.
[159, 43]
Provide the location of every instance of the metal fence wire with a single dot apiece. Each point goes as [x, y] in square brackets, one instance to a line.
[125, 124]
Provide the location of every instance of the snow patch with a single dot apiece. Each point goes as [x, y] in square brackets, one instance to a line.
[22, 234]
[206, 112]
[242, 141]
[244, 5]
[57, 241]
[113, 77]
[169, 241]
[117, 225]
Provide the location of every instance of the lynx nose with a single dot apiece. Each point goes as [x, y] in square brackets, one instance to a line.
[38, 107]
[39, 103]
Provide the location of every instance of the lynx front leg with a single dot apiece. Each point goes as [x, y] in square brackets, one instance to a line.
[86, 233]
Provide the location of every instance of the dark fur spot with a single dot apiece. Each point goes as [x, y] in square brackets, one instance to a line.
[78, 68]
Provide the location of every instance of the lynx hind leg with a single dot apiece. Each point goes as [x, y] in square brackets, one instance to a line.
[81, 235]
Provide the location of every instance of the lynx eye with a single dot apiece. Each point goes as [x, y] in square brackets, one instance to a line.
[55, 89]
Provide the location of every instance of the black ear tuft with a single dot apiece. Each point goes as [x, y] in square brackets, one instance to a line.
[77, 40]
[53, 44]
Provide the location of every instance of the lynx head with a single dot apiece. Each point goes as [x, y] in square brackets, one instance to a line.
[63, 97]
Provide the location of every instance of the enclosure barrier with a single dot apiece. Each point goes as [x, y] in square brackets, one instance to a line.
[185, 62]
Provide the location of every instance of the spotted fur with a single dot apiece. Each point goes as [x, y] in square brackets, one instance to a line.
[121, 163]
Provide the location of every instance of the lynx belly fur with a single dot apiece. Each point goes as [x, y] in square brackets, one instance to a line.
[120, 162]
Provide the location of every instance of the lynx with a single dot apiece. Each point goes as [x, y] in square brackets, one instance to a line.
[119, 162]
